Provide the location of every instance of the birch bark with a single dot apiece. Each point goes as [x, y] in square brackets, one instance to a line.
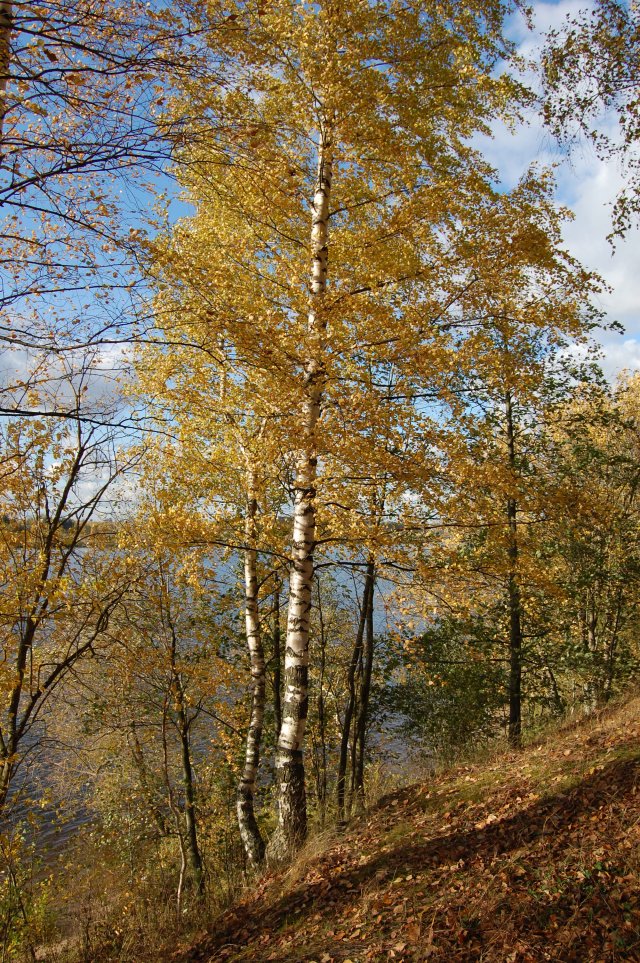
[249, 830]
[290, 778]
[277, 662]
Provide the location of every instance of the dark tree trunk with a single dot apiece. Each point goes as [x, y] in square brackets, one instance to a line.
[515, 661]
[365, 689]
[613, 645]
[321, 782]
[190, 843]
[146, 782]
[356, 656]
[514, 599]
[193, 848]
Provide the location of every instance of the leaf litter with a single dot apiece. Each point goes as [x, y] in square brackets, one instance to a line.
[532, 857]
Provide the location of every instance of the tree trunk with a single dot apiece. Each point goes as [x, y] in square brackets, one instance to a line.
[11, 734]
[189, 841]
[193, 848]
[514, 600]
[356, 656]
[365, 690]
[591, 639]
[6, 775]
[249, 830]
[322, 731]
[613, 645]
[146, 783]
[290, 779]
[558, 701]
[277, 662]
[515, 648]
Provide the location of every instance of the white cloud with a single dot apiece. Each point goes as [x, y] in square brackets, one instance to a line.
[621, 357]
[594, 190]
[59, 378]
[613, 357]
[585, 184]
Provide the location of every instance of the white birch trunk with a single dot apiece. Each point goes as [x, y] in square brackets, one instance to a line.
[292, 814]
[249, 829]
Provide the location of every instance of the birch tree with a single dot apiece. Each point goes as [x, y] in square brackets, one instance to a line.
[223, 427]
[360, 113]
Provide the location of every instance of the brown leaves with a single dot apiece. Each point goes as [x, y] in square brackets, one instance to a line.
[519, 869]
[491, 818]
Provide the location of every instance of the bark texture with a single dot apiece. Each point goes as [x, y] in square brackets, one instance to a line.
[277, 662]
[290, 777]
[320, 748]
[356, 658]
[513, 589]
[191, 827]
[189, 844]
[250, 834]
[365, 690]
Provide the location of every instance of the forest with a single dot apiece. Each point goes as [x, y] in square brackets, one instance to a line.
[312, 481]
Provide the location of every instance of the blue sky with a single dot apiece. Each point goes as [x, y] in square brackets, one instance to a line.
[585, 184]
[588, 186]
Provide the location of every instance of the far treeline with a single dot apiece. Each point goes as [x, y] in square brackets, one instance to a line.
[310, 477]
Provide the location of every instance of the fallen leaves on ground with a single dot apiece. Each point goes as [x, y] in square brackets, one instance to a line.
[532, 857]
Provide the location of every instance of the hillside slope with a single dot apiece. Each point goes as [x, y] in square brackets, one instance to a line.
[533, 856]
